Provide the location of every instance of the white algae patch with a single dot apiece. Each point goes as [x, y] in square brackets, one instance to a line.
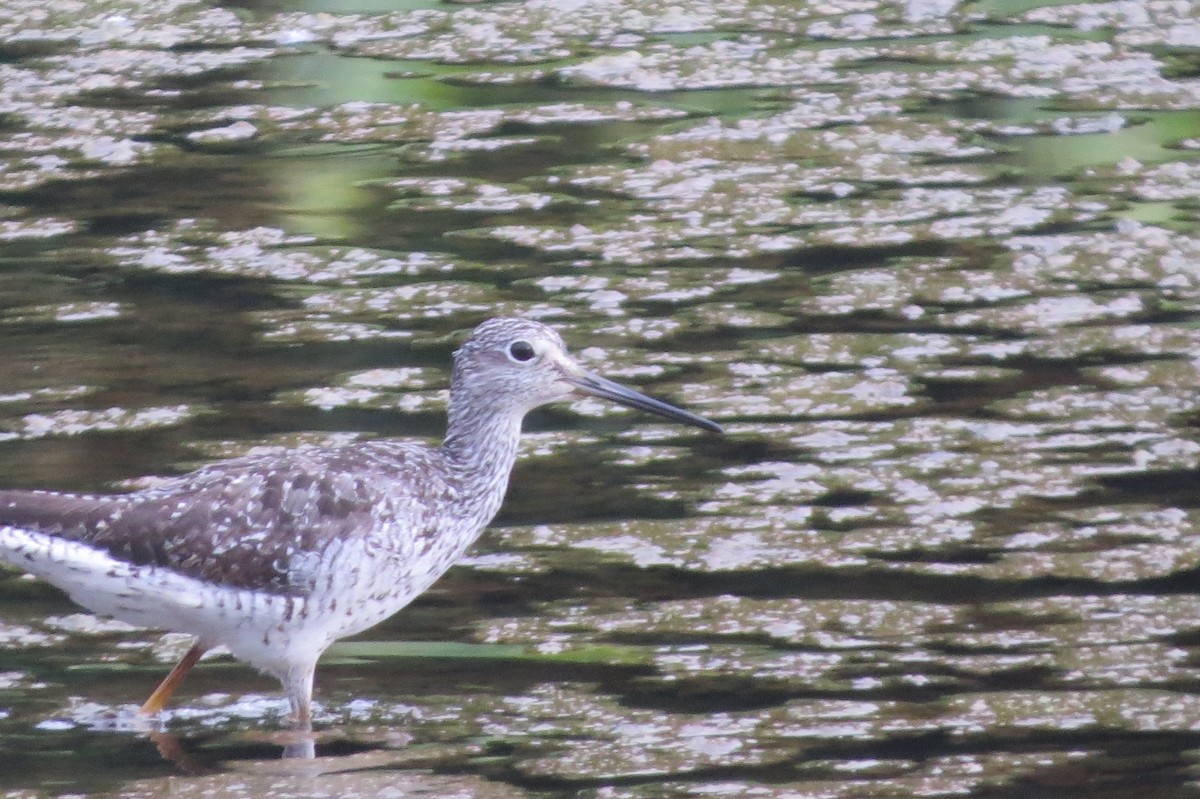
[79, 422]
[265, 253]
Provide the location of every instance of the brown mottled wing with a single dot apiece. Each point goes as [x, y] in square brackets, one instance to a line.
[240, 523]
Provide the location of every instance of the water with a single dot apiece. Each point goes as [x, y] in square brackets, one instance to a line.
[935, 273]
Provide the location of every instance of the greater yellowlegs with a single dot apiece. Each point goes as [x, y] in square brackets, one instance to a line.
[277, 556]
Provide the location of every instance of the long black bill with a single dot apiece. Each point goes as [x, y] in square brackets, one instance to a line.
[598, 386]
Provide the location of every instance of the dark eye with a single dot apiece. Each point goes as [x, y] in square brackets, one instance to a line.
[521, 351]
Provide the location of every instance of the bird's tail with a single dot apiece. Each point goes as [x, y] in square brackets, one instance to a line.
[96, 580]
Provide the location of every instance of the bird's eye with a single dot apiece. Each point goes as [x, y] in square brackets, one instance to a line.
[521, 351]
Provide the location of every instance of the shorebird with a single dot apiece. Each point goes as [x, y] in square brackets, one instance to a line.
[276, 556]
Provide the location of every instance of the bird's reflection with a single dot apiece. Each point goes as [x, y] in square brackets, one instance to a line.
[385, 768]
[298, 743]
[172, 751]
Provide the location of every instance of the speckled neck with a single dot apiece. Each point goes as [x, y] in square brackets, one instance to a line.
[481, 441]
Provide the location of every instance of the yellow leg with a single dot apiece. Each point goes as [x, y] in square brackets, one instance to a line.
[163, 692]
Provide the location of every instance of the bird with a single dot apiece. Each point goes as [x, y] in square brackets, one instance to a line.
[276, 555]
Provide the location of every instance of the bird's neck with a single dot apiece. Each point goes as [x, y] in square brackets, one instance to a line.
[481, 444]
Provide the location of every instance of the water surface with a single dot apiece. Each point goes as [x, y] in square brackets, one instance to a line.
[934, 266]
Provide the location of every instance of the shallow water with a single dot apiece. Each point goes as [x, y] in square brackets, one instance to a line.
[935, 266]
